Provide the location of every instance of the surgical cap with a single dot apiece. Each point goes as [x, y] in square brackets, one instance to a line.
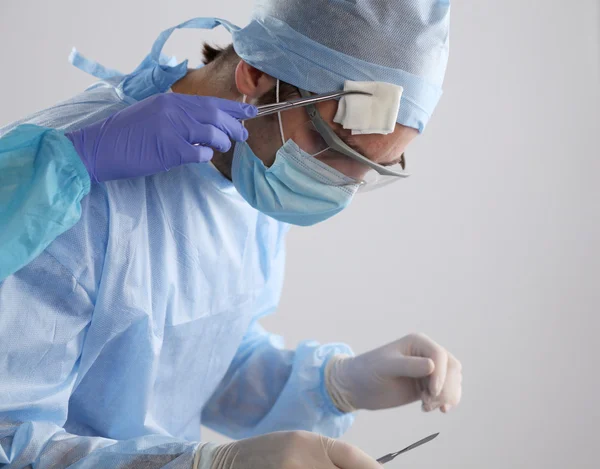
[319, 44]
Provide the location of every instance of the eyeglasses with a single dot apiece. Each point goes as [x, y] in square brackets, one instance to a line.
[332, 147]
[319, 140]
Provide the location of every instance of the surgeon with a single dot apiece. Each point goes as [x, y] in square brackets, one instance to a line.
[133, 318]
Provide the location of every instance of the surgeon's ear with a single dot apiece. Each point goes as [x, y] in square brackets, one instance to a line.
[252, 82]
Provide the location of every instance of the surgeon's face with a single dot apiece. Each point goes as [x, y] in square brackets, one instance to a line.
[265, 139]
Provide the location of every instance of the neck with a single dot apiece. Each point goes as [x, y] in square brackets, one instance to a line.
[211, 81]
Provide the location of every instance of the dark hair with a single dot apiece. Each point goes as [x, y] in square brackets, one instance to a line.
[212, 53]
[221, 54]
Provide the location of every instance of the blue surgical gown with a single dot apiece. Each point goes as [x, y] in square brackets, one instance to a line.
[140, 323]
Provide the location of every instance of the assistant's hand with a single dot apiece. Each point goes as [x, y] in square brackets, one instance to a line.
[159, 133]
[410, 369]
[284, 450]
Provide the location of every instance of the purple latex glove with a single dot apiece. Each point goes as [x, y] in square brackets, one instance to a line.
[159, 133]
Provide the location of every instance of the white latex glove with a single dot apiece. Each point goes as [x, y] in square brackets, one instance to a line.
[410, 369]
[283, 450]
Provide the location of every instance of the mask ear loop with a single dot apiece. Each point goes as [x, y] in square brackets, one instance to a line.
[243, 101]
[279, 114]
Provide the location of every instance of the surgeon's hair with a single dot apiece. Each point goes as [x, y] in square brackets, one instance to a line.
[227, 57]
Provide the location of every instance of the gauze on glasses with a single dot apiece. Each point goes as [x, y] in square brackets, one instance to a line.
[374, 114]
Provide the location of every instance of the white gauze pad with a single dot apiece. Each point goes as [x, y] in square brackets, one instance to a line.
[374, 114]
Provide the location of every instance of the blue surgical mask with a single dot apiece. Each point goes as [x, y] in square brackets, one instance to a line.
[296, 189]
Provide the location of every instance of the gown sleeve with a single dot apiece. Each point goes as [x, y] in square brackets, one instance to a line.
[42, 182]
[270, 388]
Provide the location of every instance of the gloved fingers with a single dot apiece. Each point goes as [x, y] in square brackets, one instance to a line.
[455, 363]
[451, 392]
[234, 108]
[447, 401]
[428, 405]
[196, 154]
[192, 142]
[231, 126]
[209, 136]
[423, 346]
[214, 116]
[200, 105]
[413, 367]
[345, 456]
[326, 444]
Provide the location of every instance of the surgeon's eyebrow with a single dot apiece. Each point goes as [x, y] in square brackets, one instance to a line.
[400, 160]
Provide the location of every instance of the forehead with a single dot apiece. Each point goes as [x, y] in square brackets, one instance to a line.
[382, 149]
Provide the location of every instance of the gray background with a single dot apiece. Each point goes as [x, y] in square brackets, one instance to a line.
[490, 248]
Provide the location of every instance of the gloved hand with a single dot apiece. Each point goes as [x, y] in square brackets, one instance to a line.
[283, 450]
[158, 134]
[410, 369]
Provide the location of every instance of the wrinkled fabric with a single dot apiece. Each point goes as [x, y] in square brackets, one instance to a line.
[41, 193]
[41, 186]
[316, 45]
[140, 323]
[42, 182]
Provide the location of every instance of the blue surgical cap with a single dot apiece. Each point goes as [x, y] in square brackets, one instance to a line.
[318, 44]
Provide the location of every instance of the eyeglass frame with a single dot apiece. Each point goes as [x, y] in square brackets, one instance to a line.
[337, 144]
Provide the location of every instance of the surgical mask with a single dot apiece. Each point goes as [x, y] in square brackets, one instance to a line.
[296, 189]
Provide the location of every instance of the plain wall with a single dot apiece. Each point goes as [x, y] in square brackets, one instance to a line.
[491, 247]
